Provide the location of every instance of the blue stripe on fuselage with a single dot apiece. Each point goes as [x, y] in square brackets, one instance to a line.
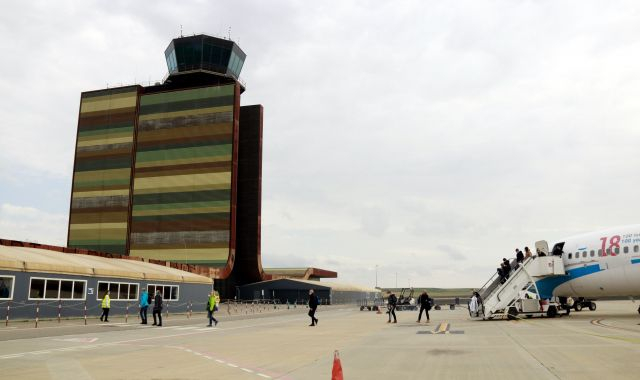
[635, 261]
[547, 285]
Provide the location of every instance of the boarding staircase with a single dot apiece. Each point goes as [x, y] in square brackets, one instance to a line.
[505, 299]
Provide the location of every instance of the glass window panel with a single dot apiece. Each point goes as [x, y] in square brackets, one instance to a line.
[226, 55]
[608, 251]
[133, 291]
[66, 289]
[102, 289]
[216, 56]
[53, 286]
[584, 254]
[124, 292]
[78, 290]
[113, 290]
[569, 256]
[593, 253]
[152, 291]
[6, 285]
[626, 249]
[599, 252]
[636, 248]
[36, 289]
[240, 64]
[617, 250]
[166, 292]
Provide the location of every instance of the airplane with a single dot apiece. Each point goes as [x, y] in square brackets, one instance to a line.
[577, 271]
[598, 264]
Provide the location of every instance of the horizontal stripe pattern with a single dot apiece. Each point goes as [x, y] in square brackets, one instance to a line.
[182, 186]
[102, 172]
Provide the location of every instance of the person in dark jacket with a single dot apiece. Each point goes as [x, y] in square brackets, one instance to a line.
[392, 301]
[506, 268]
[144, 305]
[519, 256]
[157, 309]
[313, 305]
[425, 305]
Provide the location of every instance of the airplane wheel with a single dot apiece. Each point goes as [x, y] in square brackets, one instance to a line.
[578, 306]
[592, 306]
[361, 308]
[552, 312]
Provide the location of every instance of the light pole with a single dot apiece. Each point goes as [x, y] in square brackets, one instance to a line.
[376, 276]
[396, 280]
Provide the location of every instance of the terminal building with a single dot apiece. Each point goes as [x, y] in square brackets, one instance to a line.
[64, 280]
[173, 171]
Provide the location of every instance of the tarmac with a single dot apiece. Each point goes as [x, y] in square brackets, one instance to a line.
[280, 345]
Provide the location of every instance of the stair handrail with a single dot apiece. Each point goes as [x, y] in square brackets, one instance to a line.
[517, 269]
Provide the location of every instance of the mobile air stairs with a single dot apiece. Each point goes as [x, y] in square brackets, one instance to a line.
[519, 293]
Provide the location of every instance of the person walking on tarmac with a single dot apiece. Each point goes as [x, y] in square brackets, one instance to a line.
[392, 301]
[424, 305]
[313, 305]
[157, 309]
[211, 308]
[106, 305]
[144, 305]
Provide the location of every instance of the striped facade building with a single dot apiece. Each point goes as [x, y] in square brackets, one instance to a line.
[159, 170]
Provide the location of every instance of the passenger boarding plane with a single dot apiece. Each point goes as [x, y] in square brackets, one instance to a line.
[598, 264]
[581, 268]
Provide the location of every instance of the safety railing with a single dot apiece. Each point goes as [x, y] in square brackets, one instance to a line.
[58, 310]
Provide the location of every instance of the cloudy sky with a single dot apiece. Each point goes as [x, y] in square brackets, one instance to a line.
[430, 138]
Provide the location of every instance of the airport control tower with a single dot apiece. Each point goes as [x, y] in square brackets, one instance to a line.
[172, 171]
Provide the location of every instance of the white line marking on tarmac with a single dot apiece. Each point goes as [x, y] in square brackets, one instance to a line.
[187, 333]
[263, 375]
[232, 365]
[247, 370]
[220, 361]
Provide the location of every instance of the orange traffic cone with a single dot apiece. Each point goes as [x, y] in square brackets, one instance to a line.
[336, 372]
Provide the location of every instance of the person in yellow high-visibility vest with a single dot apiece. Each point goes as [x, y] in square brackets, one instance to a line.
[211, 306]
[106, 305]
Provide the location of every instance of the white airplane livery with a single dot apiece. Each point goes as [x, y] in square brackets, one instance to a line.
[597, 264]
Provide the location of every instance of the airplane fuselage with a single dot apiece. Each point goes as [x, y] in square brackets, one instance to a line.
[598, 264]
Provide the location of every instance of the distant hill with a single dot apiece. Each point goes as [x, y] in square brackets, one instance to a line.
[435, 292]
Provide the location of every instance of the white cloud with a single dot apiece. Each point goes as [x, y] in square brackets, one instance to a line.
[30, 224]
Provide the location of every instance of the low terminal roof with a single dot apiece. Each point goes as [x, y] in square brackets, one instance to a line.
[337, 286]
[301, 273]
[49, 261]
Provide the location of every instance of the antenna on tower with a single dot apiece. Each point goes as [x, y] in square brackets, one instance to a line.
[229, 33]
[181, 31]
